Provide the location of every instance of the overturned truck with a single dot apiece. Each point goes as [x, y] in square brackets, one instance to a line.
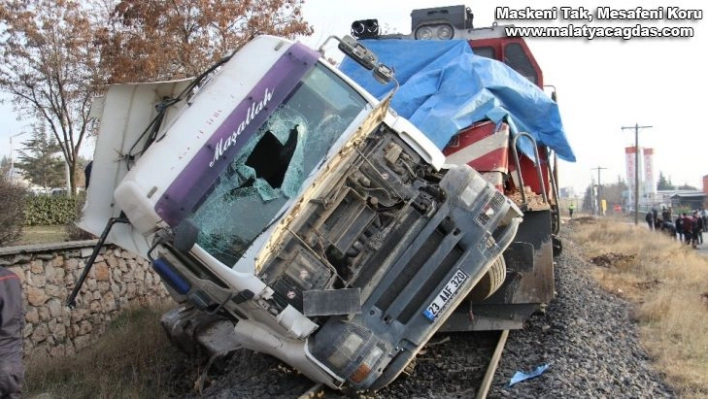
[290, 211]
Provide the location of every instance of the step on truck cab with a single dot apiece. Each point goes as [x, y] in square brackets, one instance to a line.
[290, 212]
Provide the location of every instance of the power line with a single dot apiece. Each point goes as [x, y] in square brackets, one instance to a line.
[636, 128]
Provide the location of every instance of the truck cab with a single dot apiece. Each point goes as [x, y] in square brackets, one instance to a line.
[290, 212]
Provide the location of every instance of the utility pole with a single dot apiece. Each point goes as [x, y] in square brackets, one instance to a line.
[12, 158]
[636, 128]
[599, 188]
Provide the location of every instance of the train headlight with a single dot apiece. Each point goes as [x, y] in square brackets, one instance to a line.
[439, 31]
[358, 28]
[424, 33]
[445, 32]
[365, 29]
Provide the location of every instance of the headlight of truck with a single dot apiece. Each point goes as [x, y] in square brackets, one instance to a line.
[345, 352]
[367, 365]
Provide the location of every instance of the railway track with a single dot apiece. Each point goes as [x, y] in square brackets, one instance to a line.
[452, 365]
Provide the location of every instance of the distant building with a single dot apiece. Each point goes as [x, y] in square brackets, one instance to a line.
[693, 200]
[664, 198]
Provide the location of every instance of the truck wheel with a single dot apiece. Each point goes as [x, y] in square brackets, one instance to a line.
[491, 281]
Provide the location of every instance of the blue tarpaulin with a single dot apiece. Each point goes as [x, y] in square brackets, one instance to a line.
[522, 376]
[444, 88]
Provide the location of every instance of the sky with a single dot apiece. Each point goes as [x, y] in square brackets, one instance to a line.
[602, 84]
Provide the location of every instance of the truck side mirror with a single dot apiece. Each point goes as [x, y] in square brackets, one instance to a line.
[186, 235]
[383, 74]
[363, 56]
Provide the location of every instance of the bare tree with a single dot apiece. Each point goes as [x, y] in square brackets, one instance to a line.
[50, 68]
[57, 55]
[159, 40]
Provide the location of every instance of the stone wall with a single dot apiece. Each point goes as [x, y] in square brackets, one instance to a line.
[118, 279]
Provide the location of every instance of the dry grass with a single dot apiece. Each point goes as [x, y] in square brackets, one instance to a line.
[134, 359]
[669, 283]
[42, 235]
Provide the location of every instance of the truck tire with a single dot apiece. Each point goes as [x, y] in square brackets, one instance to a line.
[491, 281]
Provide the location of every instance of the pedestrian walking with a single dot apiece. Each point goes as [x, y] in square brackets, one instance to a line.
[698, 227]
[571, 208]
[12, 322]
[687, 229]
[665, 215]
[679, 227]
[650, 220]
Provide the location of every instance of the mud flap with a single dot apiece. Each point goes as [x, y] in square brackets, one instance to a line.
[557, 246]
[519, 257]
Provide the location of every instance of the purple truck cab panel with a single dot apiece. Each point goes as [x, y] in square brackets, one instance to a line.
[195, 179]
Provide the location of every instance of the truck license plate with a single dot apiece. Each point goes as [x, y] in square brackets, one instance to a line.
[445, 295]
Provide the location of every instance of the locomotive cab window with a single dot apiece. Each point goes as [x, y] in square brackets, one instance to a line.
[485, 51]
[518, 60]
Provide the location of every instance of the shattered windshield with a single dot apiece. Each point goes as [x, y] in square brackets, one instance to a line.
[273, 164]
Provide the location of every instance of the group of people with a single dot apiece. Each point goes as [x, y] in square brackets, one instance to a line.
[687, 228]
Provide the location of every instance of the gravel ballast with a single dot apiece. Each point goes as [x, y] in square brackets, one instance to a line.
[590, 341]
[586, 336]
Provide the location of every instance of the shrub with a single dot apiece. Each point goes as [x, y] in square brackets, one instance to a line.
[12, 202]
[72, 230]
[46, 210]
